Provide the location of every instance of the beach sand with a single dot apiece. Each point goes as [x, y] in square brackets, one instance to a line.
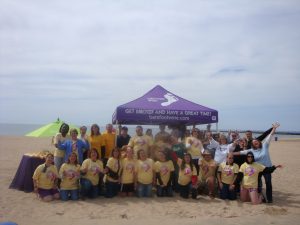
[26, 209]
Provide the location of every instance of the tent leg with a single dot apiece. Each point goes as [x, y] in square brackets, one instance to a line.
[217, 128]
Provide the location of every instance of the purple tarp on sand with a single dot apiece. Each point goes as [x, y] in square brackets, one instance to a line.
[160, 106]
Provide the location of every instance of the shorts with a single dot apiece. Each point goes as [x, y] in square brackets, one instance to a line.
[46, 192]
[127, 188]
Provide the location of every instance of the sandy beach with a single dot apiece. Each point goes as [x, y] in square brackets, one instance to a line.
[26, 209]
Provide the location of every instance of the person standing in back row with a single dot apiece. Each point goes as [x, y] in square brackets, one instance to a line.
[140, 141]
[61, 137]
[123, 138]
[109, 141]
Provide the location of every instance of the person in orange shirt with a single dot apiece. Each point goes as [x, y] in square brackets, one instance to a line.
[109, 142]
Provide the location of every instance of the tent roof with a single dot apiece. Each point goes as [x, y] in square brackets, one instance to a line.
[159, 106]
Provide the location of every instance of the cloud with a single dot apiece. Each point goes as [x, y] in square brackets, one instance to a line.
[84, 59]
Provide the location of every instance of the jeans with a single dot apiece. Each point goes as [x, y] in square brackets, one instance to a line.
[112, 189]
[58, 161]
[184, 190]
[164, 191]
[225, 193]
[144, 190]
[268, 181]
[88, 189]
[66, 194]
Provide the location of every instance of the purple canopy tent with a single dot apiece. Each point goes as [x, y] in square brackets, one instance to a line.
[159, 106]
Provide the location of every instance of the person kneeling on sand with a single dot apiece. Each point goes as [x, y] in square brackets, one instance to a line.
[248, 175]
[70, 174]
[187, 178]
[164, 169]
[90, 170]
[227, 173]
[207, 173]
[45, 180]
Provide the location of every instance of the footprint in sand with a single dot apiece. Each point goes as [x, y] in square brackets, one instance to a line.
[275, 211]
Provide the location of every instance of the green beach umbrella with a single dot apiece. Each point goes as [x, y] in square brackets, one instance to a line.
[49, 130]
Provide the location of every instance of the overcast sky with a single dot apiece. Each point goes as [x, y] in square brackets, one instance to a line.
[78, 60]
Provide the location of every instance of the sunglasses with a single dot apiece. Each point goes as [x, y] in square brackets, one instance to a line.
[250, 156]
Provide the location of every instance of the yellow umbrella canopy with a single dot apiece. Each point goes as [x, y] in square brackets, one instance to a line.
[49, 130]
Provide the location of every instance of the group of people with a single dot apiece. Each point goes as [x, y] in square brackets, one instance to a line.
[187, 162]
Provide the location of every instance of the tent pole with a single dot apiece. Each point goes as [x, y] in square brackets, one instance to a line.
[217, 128]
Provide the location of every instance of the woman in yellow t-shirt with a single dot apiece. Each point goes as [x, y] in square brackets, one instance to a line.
[112, 170]
[96, 140]
[45, 180]
[248, 174]
[91, 168]
[164, 169]
[227, 173]
[194, 146]
[70, 174]
[187, 178]
[128, 173]
[145, 174]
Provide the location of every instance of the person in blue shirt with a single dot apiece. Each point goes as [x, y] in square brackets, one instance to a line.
[74, 145]
[261, 155]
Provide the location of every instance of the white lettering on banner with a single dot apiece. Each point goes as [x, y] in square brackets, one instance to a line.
[128, 111]
[213, 118]
[191, 113]
[172, 112]
[160, 117]
[205, 113]
[144, 111]
[160, 112]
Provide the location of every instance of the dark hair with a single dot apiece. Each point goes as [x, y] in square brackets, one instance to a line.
[83, 127]
[45, 167]
[92, 132]
[64, 126]
[93, 150]
[250, 154]
[124, 128]
[182, 167]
